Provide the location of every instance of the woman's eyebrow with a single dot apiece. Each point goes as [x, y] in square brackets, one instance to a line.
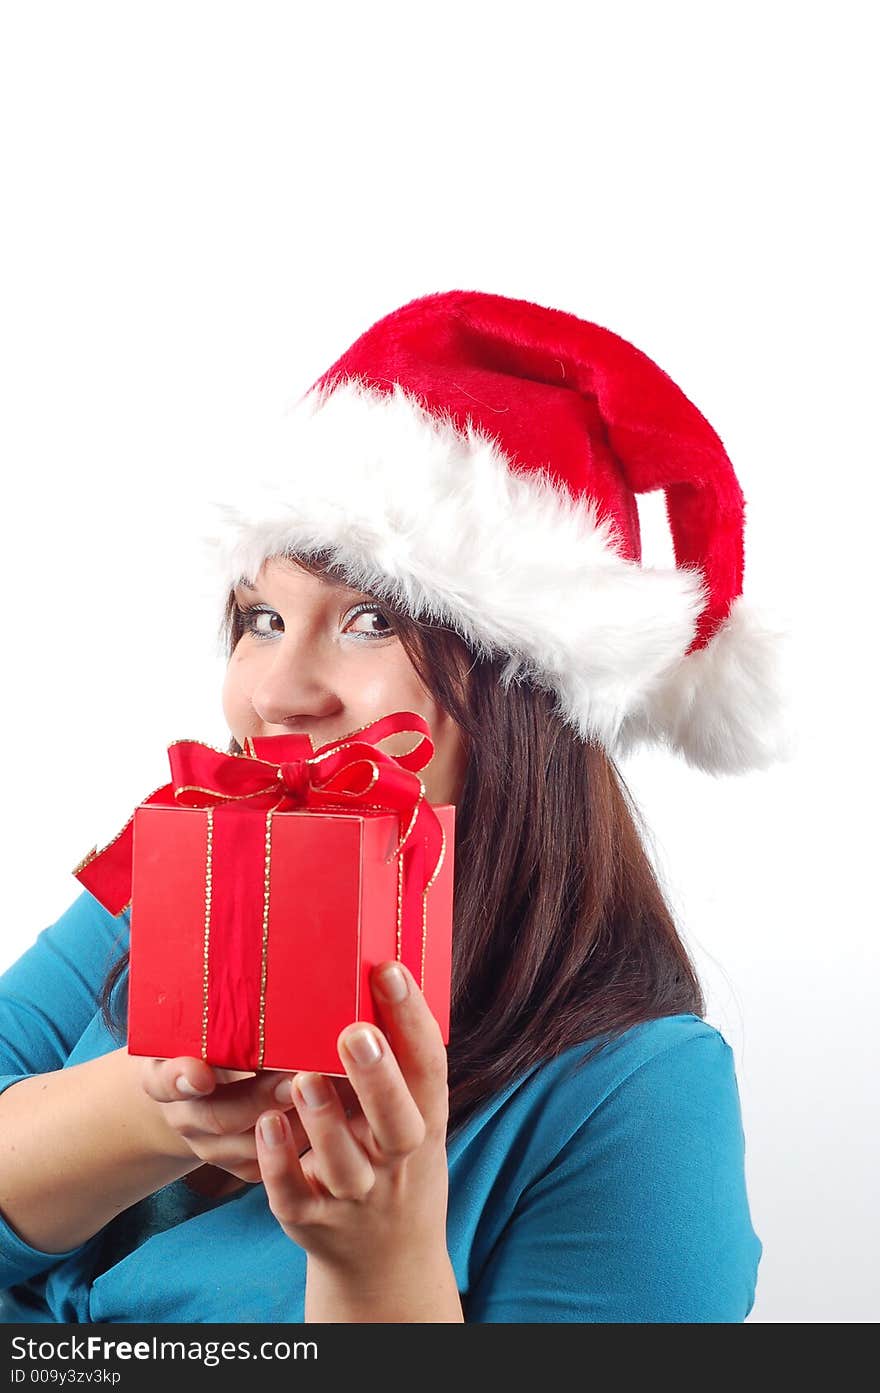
[243, 584]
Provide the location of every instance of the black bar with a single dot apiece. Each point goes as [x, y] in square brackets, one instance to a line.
[138, 1356]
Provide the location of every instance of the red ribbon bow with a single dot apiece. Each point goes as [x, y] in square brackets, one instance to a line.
[293, 776]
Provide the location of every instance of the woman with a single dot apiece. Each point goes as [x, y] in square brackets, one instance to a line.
[452, 530]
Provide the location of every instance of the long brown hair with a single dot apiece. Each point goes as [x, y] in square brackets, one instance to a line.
[561, 931]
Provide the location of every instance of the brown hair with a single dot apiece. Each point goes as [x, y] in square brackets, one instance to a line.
[561, 934]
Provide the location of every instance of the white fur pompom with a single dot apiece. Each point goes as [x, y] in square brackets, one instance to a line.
[725, 707]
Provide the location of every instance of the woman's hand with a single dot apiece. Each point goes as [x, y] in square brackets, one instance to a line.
[212, 1112]
[368, 1201]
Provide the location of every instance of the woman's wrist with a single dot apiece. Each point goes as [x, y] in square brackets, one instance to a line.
[416, 1288]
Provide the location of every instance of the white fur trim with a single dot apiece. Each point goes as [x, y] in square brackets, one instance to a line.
[725, 707]
[437, 521]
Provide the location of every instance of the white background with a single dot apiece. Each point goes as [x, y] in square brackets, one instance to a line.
[204, 204]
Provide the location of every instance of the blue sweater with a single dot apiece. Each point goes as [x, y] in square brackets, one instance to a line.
[610, 1193]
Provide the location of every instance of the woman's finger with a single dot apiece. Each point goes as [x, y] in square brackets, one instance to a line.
[237, 1155]
[387, 1103]
[416, 1041]
[339, 1159]
[169, 1080]
[166, 1080]
[230, 1107]
[290, 1196]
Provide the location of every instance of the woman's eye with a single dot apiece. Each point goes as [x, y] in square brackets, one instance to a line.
[371, 614]
[260, 622]
[263, 623]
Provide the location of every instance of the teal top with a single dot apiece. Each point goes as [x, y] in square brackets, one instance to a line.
[614, 1192]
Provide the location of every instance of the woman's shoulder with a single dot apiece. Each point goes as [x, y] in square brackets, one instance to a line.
[49, 995]
[87, 909]
[90, 936]
[671, 1074]
[682, 1044]
[595, 1068]
[79, 943]
[674, 1071]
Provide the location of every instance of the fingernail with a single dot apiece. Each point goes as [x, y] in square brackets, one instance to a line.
[282, 1091]
[314, 1089]
[272, 1129]
[393, 984]
[363, 1046]
[183, 1085]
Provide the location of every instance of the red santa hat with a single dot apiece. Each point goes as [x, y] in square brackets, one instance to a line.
[475, 460]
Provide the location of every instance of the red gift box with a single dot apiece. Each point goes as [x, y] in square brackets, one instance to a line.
[264, 887]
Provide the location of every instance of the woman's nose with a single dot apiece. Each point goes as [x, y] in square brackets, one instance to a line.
[295, 684]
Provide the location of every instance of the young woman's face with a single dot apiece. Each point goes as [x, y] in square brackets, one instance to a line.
[308, 663]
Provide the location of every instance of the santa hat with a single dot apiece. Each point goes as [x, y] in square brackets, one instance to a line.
[474, 459]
